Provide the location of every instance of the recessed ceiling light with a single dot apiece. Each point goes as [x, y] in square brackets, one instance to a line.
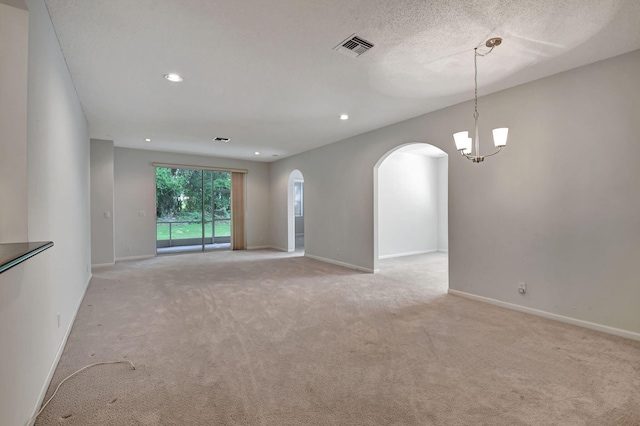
[344, 117]
[174, 78]
[256, 153]
[147, 140]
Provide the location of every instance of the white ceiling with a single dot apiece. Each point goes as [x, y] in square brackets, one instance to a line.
[264, 73]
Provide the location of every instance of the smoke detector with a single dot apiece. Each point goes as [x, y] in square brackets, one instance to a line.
[353, 46]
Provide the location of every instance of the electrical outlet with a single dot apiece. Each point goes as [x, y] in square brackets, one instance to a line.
[58, 319]
[522, 287]
[142, 213]
[107, 215]
[127, 248]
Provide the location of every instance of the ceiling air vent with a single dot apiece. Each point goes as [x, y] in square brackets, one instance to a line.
[219, 139]
[353, 46]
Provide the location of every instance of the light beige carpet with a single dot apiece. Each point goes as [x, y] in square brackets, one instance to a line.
[267, 338]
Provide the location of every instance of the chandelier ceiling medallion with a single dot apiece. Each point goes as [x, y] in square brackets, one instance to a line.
[463, 142]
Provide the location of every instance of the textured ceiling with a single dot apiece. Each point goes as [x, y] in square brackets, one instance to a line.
[264, 73]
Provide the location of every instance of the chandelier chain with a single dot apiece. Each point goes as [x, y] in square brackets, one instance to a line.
[475, 80]
[475, 76]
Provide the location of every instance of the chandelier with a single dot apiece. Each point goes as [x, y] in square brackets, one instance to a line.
[463, 141]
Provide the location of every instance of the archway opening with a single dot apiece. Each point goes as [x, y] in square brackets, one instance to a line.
[295, 212]
[411, 207]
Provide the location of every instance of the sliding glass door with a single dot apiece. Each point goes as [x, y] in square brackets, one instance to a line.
[192, 210]
[217, 209]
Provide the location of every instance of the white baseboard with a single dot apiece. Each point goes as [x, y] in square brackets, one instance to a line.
[443, 250]
[120, 259]
[261, 248]
[586, 324]
[408, 253]
[99, 265]
[56, 360]
[335, 262]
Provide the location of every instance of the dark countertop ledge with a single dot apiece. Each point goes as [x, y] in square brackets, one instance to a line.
[12, 254]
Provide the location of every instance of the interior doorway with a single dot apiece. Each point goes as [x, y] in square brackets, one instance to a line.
[193, 210]
[295, 212]
[410, 205]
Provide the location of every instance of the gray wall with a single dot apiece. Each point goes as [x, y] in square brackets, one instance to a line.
[557, 209]
[135, 192]
[53, 282]
[102, 235]
[14, 36]
[407, 205]
[20, 4]
[443, 204]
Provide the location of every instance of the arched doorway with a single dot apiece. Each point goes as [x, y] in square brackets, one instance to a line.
[295, 212]
[410, 203]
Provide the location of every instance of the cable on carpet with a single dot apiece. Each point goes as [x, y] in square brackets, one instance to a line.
[33, 418]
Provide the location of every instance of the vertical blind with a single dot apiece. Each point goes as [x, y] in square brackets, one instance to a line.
[237, 211]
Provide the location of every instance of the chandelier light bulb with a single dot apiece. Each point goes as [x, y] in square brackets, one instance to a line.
[500, 136]
[467, 150]
[460, 139]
